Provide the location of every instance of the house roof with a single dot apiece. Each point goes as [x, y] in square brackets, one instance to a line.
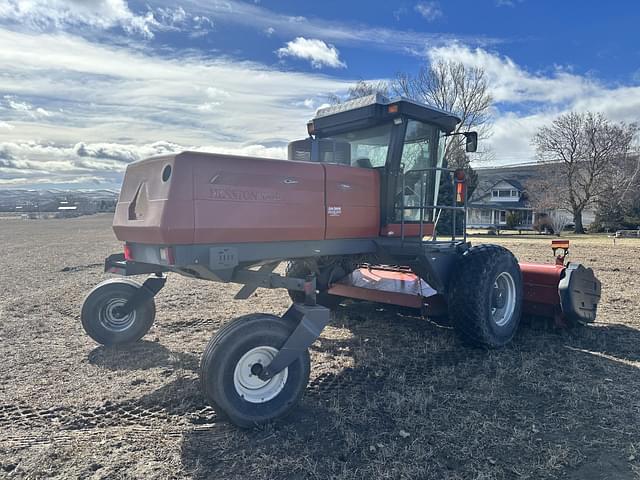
[516, 175]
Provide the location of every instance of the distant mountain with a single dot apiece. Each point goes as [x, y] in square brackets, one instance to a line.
[20, 199]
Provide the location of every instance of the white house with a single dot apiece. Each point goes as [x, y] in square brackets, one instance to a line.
[503, 205]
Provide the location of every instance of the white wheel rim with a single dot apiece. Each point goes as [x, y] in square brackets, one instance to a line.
[111, 321]
[248, 385]
[503, 299]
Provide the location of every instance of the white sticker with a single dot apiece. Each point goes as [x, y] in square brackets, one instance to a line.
[334, 211]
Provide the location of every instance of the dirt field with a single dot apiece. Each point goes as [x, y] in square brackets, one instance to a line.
[391, 396]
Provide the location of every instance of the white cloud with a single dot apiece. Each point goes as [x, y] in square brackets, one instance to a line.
[103, 115]
[430, 11]
[48, 15]
[25, 108]
[269, 31]
[6, 125]
[507, 3]
[335, 32]
[511, 83]
[316, 51]
[213, 92]
[64, 13]
[526, 101]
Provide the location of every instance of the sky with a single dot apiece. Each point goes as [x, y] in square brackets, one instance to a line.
[88, 86]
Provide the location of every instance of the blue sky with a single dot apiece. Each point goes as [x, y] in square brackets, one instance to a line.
[89, 86]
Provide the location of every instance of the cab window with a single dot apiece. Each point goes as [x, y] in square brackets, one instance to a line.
[367, 148]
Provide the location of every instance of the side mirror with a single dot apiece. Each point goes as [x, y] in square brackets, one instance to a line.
[471, 141]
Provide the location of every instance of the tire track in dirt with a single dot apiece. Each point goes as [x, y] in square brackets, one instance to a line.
[63, 425]
[109, 414]
[415, 371]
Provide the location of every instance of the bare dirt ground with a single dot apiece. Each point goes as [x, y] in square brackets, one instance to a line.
[554, 404]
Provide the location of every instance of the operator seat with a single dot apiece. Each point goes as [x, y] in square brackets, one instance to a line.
[363, 163]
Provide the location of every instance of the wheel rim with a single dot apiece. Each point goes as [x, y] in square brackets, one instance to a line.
[110, 319]
[246, 381]
[503, 301]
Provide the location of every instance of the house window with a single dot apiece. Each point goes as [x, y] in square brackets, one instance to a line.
[505, 193]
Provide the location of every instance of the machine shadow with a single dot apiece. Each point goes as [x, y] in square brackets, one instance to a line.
[396, 355]
[141, 355]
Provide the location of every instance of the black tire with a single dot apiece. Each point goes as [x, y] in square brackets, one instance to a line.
[301, 270]
[219, 379]
[97, 313]
[478, 310]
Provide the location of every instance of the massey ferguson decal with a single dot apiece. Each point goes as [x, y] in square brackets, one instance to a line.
[334, 211]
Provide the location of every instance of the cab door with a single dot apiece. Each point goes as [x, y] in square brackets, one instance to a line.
[352, 202]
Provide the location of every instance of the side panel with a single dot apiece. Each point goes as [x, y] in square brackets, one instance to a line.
[241, 199]
[353, 202]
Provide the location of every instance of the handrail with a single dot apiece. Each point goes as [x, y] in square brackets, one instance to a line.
[422, 207]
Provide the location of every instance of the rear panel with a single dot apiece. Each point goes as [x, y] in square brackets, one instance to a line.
[353, 202]
[154, 210]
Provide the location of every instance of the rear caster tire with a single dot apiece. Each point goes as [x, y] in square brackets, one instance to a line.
[101, 320]
[485, 296]
[229, 366]
[300, 269]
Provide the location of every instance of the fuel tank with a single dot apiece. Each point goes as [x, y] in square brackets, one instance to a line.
[206, 198]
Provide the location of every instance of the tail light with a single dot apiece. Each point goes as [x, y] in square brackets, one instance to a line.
[166, 255]
[128, 254]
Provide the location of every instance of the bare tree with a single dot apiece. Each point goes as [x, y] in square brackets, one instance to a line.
[450, 86]
[453, 87]
[362, 89]
[559, 220]
[581, 151]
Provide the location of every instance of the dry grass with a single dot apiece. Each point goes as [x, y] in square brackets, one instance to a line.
[552, 405]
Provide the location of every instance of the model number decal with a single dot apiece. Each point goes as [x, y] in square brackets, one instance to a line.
[334, 211]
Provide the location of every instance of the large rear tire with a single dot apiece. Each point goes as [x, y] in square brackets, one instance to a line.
[485, 296]
[100, 318]
[230, 364]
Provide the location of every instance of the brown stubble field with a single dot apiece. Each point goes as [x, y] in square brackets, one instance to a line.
[391, 395]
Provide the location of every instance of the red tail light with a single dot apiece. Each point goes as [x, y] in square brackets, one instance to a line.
[128, 254]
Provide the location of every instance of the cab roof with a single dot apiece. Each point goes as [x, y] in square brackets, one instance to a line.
[375, 109]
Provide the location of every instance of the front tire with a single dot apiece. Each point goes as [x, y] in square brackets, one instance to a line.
[485, 296]
[228, 372]
[101, 320]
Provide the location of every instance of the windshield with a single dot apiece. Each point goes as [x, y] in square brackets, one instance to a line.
[363, 148]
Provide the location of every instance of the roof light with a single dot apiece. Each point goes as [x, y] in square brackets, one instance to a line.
[393, 108]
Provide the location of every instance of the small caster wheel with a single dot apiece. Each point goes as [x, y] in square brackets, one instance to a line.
[233, 360]
[105, 324]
